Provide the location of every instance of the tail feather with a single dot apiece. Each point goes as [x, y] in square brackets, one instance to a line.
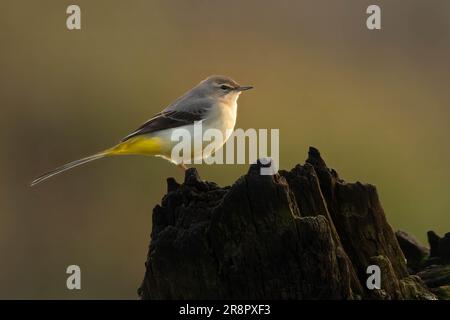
[136, 145]
[68, 166]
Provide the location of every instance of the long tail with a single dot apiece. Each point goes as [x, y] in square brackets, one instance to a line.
[137, 145]
[68, 166]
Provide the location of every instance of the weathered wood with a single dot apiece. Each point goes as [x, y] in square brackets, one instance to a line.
[439, 247]
[435, 270]
[415, 253]
[299, 234]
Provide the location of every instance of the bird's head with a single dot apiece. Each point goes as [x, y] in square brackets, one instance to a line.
[221, 87]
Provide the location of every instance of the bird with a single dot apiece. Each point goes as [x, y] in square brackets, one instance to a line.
[212, 102]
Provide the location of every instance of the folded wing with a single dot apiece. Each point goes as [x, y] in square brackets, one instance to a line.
[167, 120]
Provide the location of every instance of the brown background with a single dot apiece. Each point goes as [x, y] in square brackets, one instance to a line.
[376, 103]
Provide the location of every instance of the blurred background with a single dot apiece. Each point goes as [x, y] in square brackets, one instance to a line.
[375, 103]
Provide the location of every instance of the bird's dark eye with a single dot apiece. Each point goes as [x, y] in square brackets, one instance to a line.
[224, 87]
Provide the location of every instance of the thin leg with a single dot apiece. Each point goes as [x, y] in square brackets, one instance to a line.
[182, 166]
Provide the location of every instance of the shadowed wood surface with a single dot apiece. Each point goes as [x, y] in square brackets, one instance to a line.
[298, 234]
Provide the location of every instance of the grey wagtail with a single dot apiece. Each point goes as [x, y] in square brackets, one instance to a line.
[213, 103]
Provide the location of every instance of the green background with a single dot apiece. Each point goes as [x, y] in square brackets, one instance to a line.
[376, 104]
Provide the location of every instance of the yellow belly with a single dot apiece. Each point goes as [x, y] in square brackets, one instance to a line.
[140, 145]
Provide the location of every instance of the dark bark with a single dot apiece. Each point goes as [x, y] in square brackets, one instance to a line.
[414, 252]
[299, 234]
[439, 247]
[435, 270]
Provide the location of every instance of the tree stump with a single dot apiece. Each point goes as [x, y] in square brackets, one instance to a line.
[298, 234]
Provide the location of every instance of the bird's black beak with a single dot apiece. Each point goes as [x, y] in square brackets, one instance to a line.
[243, 88]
